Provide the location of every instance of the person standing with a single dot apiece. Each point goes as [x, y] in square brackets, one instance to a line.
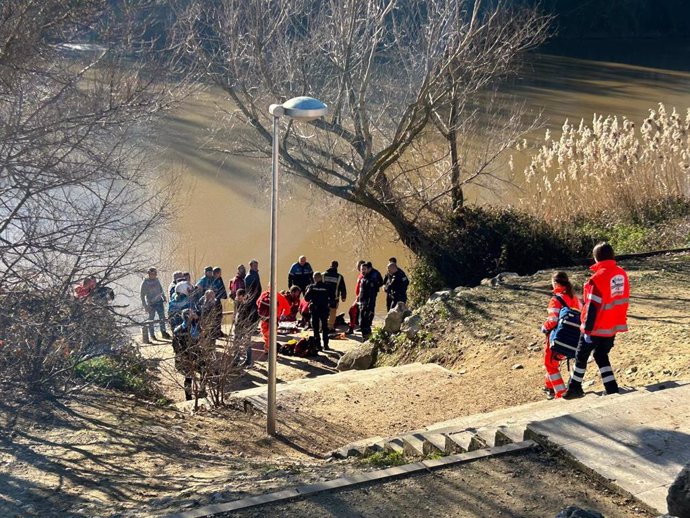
[368, 290]
[395, 285]
[300, 274]
[218, 287]
[563, 295]
[153, 300]
[337, 291]
[605, 314]
[354, 309]
[320, 299]
[253, 288]
[237, 283]
[243, 328]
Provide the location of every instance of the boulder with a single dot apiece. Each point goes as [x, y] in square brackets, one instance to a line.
[577, 512]
[678, 498]
[361, 357]
[439, 295]
[411, 326]
[394, 318]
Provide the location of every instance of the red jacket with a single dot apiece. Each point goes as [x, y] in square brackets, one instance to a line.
[554, 307]
[606, 297]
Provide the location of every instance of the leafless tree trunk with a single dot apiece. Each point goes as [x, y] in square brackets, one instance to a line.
[396, 75]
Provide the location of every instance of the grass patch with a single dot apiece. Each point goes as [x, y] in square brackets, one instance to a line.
[385, 459]
[122, 373]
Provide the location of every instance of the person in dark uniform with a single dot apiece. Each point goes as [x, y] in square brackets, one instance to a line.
[253, 289]
[320, 300]
[336, 284]
[300, 274]
[368, 290]
[395, 285]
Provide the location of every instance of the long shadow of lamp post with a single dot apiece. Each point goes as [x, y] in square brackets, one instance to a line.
[301, 109]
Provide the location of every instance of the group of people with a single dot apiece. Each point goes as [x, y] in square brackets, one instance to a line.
[311, 300]
[603, 310]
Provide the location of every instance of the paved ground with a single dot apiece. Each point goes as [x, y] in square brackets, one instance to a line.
[532, 485]
[639, 444]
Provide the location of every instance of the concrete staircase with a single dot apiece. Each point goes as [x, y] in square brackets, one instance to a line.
[480, 431]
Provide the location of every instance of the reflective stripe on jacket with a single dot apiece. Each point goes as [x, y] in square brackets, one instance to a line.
[554, 307]
[606, 297]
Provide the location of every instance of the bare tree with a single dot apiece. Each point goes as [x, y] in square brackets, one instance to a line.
[78, 84]
[404, 81]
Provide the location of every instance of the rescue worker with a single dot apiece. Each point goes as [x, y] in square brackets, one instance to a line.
[368, 290]
[395, 285]
[263, 306]
[354, 309]
[336, 286]
[563, 292]
[253, 288]
[300, 274]
[320, 300]
[605, 313]
[294, 298]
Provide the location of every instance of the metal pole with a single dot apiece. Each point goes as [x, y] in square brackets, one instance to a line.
[276, 111]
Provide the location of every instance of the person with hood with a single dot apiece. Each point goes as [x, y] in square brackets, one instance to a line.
[153, 299]
[320, 299]
[337, 291]
[300, 274]
[180, 301]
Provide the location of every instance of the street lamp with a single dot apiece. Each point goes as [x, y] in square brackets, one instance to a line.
[303, 109]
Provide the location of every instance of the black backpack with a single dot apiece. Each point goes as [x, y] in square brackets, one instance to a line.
[566, 335]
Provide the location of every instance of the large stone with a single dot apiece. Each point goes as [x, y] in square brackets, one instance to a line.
[439, 295]
[361, 357]
[411, 326]
[577, 512]
[678, 498]
[394, 318]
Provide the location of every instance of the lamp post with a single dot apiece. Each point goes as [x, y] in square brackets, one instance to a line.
[303, 109]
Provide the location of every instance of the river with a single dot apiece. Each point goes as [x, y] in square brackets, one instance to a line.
[222, 210]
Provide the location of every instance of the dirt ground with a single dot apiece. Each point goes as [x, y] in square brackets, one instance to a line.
[103, 454]
[531, 485]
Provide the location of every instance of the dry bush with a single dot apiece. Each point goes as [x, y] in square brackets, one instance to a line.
[611, 167]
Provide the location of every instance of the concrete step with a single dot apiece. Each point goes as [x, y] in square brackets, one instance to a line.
[394, 446]
[505, 426]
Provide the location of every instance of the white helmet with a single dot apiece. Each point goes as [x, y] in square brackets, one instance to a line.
[183, 287]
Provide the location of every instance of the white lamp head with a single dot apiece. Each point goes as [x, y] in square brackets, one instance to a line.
[304, 108]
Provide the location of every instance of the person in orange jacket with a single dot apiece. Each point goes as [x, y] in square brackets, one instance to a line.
[263, 306]
[563, 292]
[606, 297]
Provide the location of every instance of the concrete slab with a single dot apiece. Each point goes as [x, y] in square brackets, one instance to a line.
[637, 444]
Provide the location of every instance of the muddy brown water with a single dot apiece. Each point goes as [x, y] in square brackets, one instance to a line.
[222, 213]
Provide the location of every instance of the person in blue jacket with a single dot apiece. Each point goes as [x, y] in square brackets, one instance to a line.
[300, 274]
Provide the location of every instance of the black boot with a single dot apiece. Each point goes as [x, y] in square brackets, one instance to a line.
[574, 391]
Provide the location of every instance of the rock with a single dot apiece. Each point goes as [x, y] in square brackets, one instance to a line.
[588, 383]
[439, 295]
[509, 337]
[577, 512]
[678, 498]
[394, 318]
[463, 371]
[411, 326]
[631, 370]
[361, 357]
[517, 366]
[497, 337]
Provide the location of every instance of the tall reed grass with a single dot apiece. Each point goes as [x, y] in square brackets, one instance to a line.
[611, 167]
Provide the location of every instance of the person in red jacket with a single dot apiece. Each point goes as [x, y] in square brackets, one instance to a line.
[263, 307]
[605, 313]
[563, 292]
